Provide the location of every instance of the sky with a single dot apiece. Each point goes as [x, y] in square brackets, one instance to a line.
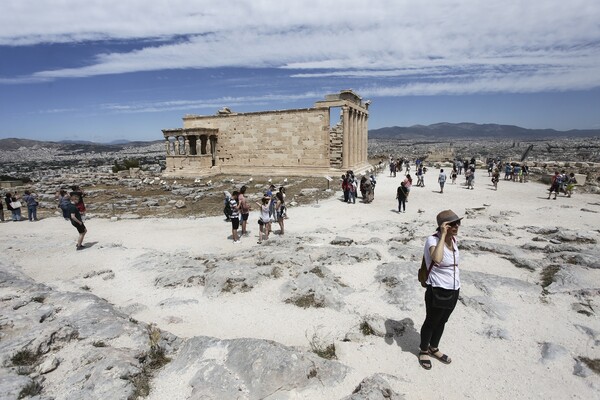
[105, 70]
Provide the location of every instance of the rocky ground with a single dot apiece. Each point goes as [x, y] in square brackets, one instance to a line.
[170, 308]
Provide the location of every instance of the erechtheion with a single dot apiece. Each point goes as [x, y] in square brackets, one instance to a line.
[300, 142]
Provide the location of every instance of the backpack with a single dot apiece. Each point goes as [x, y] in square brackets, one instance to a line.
[227, 209]
[423, 273]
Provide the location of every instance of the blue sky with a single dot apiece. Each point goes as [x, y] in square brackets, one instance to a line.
[105, 70]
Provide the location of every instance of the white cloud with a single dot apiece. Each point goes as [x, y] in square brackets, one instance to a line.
[433, 42]
[213, 104]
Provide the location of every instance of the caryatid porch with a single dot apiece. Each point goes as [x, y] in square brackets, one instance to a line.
[195, 147]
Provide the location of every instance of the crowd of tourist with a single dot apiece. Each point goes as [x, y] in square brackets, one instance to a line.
[272, 208]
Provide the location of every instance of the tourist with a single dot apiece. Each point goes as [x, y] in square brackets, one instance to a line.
[227, 205]
[1, 211]
[407, 185]
[459, 166]
[244, 209]
[495, 178]
[562, 186]
[470, 175]
[63, 203]
[281, 211]
[392, 168]
[420, 181]
[571, 182]
[401, 195]
[32, 205]
[443, 285]
[365, 189]
[507, 171]
[442, 180]
[554, 185]
[270, 193]
[76, 191]
[345, 188]
[351, 187]
[453, 175]
[76, 220]
[263, 219]
[235, 217]
[14, 205]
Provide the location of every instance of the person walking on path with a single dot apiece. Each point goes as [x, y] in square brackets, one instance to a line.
[1, 211]
[76, 221]
[441, 256]
[32, 205]
[571, 182]
[554, 185]
[401, 195]
[442, 180]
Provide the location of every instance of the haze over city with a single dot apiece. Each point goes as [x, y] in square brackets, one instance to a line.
[109, 70]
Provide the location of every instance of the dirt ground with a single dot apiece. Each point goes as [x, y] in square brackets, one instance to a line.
[129, 197]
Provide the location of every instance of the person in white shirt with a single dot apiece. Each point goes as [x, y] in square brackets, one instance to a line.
[443, 284]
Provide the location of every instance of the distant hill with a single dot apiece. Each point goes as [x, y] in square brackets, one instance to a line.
[70, 145]
[466, 130]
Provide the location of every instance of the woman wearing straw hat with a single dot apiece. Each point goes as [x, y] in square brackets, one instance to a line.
[443, 284]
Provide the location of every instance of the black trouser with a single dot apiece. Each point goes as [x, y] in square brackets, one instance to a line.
[402, 204]
[435, 320]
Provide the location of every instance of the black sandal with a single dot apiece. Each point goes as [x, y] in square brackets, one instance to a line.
[424, 360]
[436, 353]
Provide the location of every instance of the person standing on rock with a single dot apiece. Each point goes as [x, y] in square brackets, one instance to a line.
[32, 205]
[13, 205]
[443, 286]
[76, 221]
[442, 180]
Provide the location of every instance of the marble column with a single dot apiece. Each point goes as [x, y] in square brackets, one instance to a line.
[186, 146]
[345, 137]
[366, 133]
[177, 145]
[361, 137]
[168, 146]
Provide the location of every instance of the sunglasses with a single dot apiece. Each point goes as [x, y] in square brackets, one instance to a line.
[453, 224]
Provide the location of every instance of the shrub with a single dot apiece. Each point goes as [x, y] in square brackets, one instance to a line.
[321, 347]
[32, 389]
[24, 357]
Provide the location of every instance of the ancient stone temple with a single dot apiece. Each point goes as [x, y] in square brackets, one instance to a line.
[300, 142]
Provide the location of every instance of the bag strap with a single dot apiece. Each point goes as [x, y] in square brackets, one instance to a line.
[428, 269]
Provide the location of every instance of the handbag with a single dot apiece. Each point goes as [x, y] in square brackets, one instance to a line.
[15, 204]
[443, 298]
